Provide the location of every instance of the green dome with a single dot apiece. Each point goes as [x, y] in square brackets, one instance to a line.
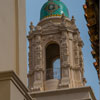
[53, 8]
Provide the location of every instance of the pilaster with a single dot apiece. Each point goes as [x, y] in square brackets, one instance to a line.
[38, 66]
[65, 81]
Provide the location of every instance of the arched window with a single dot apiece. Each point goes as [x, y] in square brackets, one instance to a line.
[52, 54]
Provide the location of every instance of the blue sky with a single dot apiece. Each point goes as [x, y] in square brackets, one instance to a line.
[75, 8]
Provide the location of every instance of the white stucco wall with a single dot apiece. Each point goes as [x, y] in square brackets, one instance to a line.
[13, 37]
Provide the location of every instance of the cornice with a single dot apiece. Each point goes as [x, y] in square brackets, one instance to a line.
[65, 91]
[52, 17]
[11, 76]
[75, 67]
[35, 70]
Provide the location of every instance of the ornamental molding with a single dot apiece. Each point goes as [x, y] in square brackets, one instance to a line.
[51, 28]
[65, 66]
[12, 77]
[52, 17]
[75, 68]
[32, 71]
[34, 89]
[38, 70]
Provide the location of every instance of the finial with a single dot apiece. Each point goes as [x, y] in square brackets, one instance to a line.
[31, 27]
[63, 15]
[73, 19]
[84, 81]
[63, 18]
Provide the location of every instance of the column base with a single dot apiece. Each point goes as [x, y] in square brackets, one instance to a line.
[64, 83]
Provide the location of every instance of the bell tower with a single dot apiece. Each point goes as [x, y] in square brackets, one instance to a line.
[55, 37]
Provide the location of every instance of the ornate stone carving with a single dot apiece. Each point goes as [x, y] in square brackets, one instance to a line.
[67, 37]
[38, 28]
[73, 20]
[63, 18]
[31, 27]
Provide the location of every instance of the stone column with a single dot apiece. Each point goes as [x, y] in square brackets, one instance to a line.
[76, 52]
[30, 74]
[77, 68]
[31, 57]
[64, 56]
[38, 70]
[81, 62]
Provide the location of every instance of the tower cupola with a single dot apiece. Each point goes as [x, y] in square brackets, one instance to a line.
[53, 8]
[55, 39]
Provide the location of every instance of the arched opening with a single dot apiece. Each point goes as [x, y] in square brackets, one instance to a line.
[52, 54]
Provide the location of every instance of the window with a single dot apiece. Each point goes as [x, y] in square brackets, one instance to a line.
[52, 59]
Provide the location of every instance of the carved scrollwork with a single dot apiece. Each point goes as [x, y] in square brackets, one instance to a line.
[38, 28]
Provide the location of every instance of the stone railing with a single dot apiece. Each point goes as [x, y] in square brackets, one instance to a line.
[53, 73]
